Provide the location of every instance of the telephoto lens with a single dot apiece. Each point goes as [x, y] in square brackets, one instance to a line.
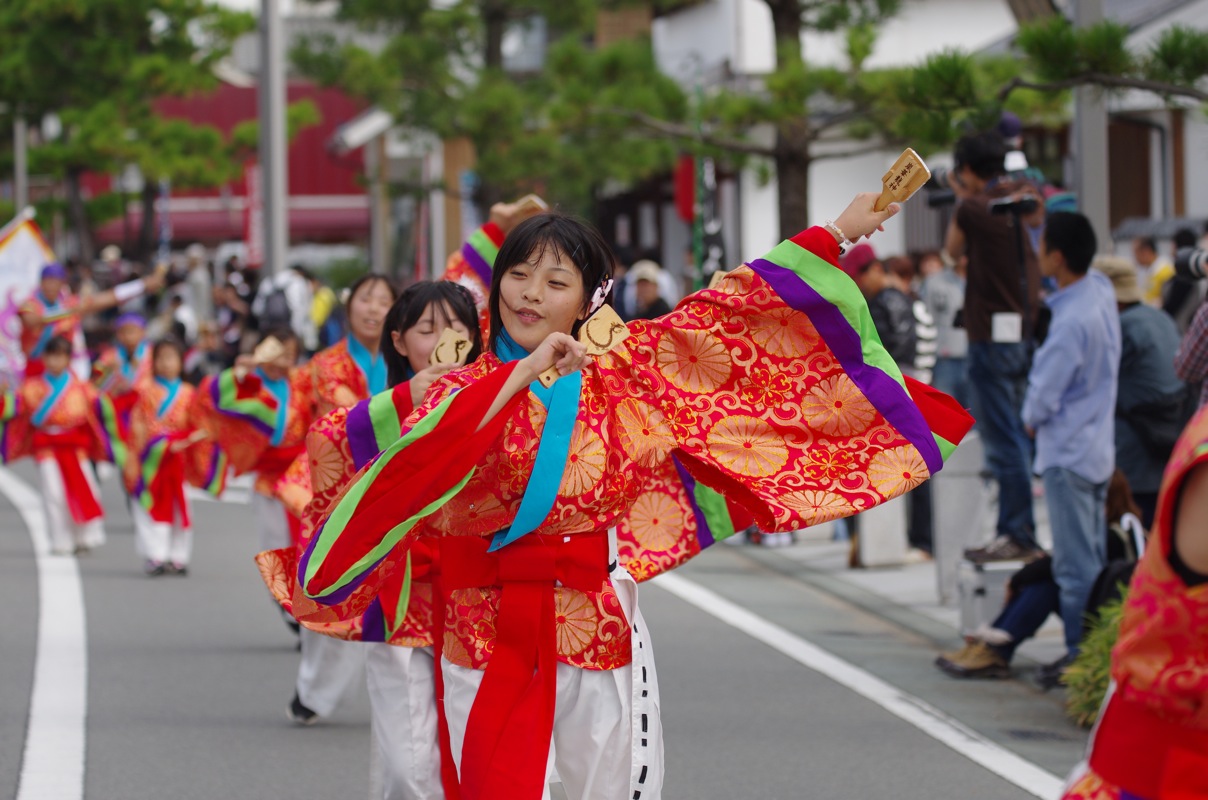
[1191, 262]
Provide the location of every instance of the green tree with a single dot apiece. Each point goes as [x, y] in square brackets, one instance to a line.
[98, 65]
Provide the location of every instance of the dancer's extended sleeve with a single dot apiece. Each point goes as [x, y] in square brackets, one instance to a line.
[437, 452]
[471, 267]
[773, 390]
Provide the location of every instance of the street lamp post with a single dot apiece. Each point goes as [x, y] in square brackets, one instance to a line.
[272, 136]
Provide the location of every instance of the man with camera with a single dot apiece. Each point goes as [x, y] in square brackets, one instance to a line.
[1002, 294]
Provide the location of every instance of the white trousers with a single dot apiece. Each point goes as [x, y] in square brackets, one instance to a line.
[608, 737]
[402, 694]
[161, 542]
[327, 670]
[272, 525]
[65, 533]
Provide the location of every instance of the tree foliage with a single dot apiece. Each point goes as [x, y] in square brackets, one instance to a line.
[98, 65]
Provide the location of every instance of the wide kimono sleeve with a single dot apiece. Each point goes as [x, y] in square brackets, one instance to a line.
[774, 390]
[238, 416]
[338, 445]
[15, 430]
[471, 267]
[437, 451]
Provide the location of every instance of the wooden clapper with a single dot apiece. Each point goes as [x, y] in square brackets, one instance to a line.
[602, 331]
[904, 178]
[451, 348]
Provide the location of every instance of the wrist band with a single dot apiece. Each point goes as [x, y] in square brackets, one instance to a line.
[844, 242]
[129, 290]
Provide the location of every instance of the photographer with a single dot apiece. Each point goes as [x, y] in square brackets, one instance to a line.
[999, 317]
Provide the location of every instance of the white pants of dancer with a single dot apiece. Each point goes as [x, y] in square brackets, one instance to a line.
[161, 542]
[327, 670]
[405, 762]
[272, 524]
[65, 533]
[608, 737]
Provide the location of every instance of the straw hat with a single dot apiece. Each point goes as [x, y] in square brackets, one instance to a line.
[1123, 275]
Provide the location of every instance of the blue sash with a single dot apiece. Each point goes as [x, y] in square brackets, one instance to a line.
[129, 363]
[371, 366]
[562, 406]
[58, 385]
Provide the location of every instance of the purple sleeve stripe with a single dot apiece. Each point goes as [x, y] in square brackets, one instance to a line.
[362, 442]
[704, 535]
[888, 395]
[477, 262]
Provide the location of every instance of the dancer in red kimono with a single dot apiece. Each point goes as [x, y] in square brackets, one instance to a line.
[1151, 742]
[64, 423]
[52, 310]
[166, 453]
[258, 413]
[122, 368]
[354, 368]
[400, 674]
[771, 388]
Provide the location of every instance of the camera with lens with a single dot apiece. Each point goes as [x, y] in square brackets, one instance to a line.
[939, 187]
[1191, 262]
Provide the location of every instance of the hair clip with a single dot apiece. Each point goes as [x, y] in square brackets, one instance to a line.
[601, 295]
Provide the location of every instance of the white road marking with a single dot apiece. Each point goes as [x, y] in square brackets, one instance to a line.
[925, 717]
[52, 767]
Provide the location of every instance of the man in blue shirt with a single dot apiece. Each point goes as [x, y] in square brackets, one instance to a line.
[1070, 409]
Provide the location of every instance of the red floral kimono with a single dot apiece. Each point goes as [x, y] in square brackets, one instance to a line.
[471, 267]
[115, 363]
[771, 389]
[155, 474]
[338, 380]
[58, 319]
[65, 420]
[1151, 742]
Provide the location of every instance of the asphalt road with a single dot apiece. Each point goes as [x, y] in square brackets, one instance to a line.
[188, 679]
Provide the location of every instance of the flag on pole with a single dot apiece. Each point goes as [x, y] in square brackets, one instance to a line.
[23, 253]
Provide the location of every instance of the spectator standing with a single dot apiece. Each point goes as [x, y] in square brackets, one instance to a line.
[943, 292]
[1153, 270]
[646, 279]
[199, 282]
[207, 357]
[1070, 408]
[284, 300]
[1001, 299]
[1182, 294]
[627, 291]
[1149, 390]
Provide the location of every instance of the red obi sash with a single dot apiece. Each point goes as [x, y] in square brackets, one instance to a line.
[167, 490]
[65, 448]
[508, 734]
[1150, 757]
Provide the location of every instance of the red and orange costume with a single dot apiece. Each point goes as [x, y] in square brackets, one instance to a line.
[1151, 742]
[771, 388]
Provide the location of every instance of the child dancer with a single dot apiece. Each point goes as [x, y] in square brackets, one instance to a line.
[354, 369]
[63, 423]
[165, 453]
[400, 674]
[521, 484]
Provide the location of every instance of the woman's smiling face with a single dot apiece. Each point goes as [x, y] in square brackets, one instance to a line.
[540, 296]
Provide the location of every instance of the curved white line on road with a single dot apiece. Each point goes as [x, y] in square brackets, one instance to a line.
[52, 767]
[925, 717]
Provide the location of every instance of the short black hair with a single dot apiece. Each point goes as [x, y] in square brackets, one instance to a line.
[1147, 242]
[1071, 234]
[574, 239]
[284, 335]
[57, 345]
[410, 306]
[1184, 237]
[170, 343]
[984, 153]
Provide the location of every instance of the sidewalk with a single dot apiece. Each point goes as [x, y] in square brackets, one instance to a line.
[914, 588]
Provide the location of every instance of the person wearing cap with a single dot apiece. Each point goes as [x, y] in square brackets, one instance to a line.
[646, 278]
[1149, 390]
[1069, 409]
[52, 310]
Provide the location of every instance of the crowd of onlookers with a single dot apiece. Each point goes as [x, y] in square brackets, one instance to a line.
[215, 310]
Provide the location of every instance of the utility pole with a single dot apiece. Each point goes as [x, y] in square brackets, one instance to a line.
[272, 137]
[20, 163]
[1090, 126]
